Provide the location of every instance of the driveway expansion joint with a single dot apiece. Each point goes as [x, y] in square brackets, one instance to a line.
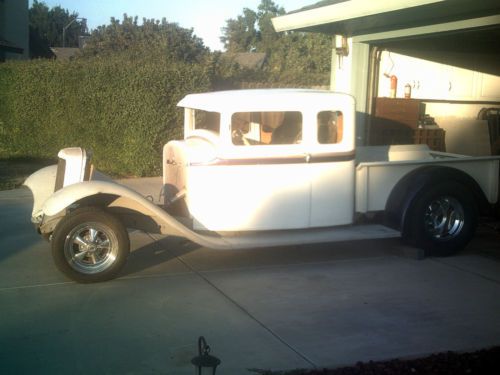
[241, 308]
[490, 279]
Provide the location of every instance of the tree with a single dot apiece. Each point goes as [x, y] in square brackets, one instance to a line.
[241, 34]
[151, 38]
[267, 10]
[291, 53]
[46, 28]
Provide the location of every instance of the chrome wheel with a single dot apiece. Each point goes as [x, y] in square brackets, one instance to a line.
[444, 218]
[91, 247]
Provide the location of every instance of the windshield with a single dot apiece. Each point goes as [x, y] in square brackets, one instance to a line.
[205, 120]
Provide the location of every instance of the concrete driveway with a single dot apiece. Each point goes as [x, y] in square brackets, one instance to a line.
[280, 308]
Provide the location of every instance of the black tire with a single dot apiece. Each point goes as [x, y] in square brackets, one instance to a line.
[442, 219]
[90, 245]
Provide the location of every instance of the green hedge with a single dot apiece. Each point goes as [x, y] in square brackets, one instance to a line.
[123, 110]
[121, 106]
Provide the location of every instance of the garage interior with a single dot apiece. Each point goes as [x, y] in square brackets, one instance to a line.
[444, 54]
[459, 111]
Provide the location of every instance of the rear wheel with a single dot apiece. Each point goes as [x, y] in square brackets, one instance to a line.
[90, 245]
[443, 219]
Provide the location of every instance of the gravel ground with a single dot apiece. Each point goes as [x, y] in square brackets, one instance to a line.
[482, 362]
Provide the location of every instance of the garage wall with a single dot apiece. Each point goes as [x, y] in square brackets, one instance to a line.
[431, 80]
[349, 75]
[457, 94]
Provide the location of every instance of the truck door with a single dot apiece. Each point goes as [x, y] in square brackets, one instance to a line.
[332, 167]
[260, 180]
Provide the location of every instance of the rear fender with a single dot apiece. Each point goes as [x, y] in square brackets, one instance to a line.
[410, 186]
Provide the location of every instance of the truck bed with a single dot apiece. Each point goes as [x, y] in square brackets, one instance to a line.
[379, 168]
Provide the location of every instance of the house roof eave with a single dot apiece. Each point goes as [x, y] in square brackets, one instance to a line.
[7, 46]
[361, 17]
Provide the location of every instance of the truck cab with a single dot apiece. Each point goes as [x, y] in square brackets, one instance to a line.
[264, 160]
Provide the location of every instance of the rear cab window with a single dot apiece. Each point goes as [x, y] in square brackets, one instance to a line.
[330, 127]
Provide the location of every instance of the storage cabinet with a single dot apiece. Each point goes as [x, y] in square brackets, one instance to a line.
[396, 121]
[460, 83]
[489, 87]
[400, 111]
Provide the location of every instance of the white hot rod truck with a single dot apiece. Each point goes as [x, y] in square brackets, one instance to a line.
[263, 168]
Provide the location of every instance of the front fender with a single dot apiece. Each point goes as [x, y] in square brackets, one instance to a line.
[71, 194]
[42, 184]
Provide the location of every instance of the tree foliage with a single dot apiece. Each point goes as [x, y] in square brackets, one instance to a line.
[252, 30]
[241, 34]
[46, 28]
[267, 10]
[119, 97]
[288, 53]
[151, 37]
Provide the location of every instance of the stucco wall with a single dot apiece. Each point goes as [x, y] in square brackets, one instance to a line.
[14, 26]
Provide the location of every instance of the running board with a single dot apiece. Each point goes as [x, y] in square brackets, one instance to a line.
[296, 237]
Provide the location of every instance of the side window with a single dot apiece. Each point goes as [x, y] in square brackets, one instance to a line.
[266, 128]
[207, 120]
[330, 127]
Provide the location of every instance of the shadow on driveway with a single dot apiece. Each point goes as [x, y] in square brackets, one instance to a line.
[156, 253]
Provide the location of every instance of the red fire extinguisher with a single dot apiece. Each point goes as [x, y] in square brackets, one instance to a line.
[394, 86]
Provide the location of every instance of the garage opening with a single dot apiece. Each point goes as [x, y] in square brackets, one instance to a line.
[442, 90]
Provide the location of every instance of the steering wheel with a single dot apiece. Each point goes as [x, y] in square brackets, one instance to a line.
[239, 138]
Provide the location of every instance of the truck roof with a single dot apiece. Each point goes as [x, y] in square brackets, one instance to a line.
[265, 100]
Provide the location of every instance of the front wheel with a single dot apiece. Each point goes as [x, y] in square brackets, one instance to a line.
[90, 245]
[443, 219]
